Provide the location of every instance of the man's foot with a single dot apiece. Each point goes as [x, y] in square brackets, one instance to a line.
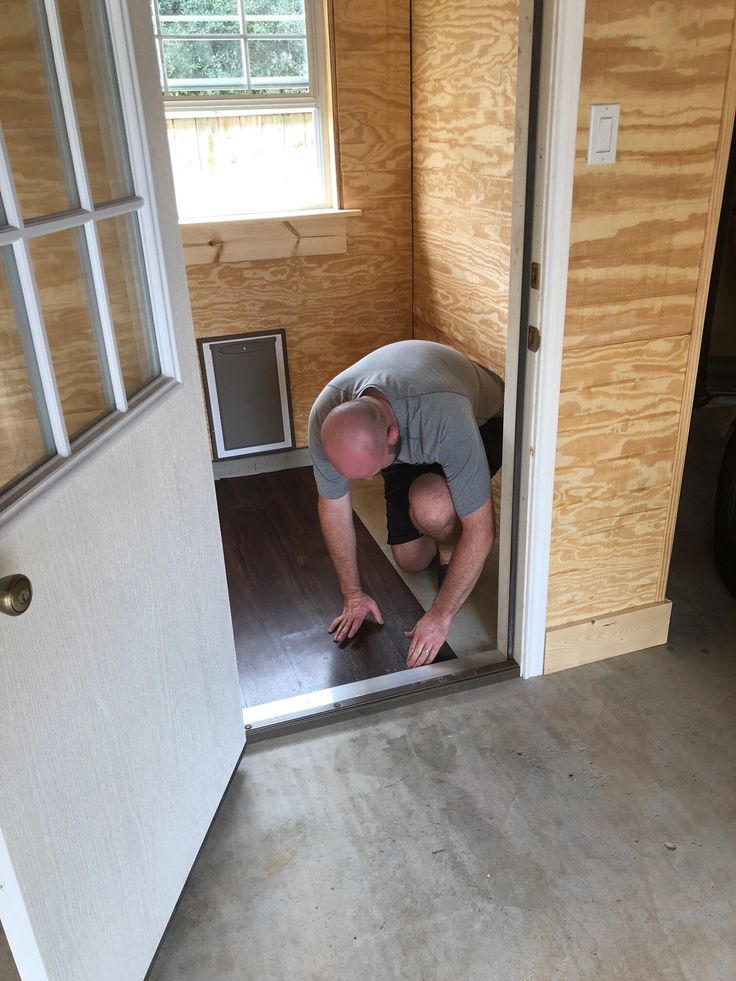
[441, 573]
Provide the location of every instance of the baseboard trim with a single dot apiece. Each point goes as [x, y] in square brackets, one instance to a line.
[601, 637]
[244, 466]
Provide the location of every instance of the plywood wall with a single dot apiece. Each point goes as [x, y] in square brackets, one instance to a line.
[639, 228]
[335, 309]
[464, 55]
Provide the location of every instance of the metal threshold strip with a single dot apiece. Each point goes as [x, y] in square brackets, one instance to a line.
[301, 711]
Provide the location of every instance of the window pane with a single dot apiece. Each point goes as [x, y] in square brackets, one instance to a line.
[276, 25]
[244, 164]
[276, 65]
[97, 101]
[31, 115]
[127, 289]
[62, 274]
[203, 67]
[23, 445]
[192, 8]
[265, 8]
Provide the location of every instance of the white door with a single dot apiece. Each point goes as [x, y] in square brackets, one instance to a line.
[120, 717]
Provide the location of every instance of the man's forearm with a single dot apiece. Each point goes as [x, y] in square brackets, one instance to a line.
[338, 530]
[466, 565]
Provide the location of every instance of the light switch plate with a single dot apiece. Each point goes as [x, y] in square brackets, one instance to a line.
[603, 134]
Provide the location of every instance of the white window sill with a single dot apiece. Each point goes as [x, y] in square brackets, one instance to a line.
[273, 236]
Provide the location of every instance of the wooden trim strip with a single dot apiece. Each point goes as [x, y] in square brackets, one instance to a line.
[280, 237]
[701, 299]
[608, 636]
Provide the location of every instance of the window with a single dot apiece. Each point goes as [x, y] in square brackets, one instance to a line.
[246, 97]
[84, 324]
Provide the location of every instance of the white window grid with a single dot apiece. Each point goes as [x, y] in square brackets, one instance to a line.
[243, 37]
[316, 99]
[17, 234]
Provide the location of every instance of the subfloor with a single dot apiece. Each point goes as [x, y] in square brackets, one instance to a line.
[577, 826]
[473, 630]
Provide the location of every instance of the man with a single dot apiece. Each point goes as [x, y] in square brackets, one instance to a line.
[427, 419]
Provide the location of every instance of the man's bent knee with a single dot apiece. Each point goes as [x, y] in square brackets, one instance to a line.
[430, 505]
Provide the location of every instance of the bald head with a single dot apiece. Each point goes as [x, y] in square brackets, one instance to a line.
[359, 438]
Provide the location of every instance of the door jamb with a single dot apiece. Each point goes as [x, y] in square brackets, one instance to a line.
[559, 88]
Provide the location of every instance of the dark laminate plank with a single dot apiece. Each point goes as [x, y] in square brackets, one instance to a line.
[284, 592]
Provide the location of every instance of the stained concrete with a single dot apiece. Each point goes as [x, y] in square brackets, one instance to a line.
[578, 826]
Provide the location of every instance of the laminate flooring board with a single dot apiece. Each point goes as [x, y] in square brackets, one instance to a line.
[284, 592]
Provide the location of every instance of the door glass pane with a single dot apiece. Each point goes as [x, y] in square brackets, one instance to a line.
[24, 441]
[127, 290]
[91, 68]
[61, 267]
[31, 115]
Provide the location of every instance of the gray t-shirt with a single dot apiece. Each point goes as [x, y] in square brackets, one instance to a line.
[439, 398]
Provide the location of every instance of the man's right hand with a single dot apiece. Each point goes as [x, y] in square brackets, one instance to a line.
[357, 605]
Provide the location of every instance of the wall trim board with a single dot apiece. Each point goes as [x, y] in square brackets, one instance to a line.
[221, 240]
[266, 463]
[595, 639]
[701, 299]
[559, 90]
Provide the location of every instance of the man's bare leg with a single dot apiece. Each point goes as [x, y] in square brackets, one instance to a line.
[433, 513]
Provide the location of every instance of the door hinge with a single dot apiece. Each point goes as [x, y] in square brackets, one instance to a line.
[534, 339]
[536, 277]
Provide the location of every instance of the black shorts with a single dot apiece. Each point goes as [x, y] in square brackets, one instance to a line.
[398, 478]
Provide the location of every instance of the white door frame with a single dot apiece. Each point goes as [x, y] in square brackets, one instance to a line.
[558, 94]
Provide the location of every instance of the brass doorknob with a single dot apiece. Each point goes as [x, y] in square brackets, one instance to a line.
[15, 595]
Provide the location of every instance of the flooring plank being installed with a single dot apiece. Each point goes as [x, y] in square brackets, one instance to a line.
[284, 592]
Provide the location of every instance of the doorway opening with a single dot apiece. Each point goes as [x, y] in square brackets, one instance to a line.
[436, 253]
[706, 522]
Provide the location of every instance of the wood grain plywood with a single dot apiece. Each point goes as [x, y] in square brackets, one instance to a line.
[336, 308]
[638, 226]
[610, 565]
[621, 402]
[582, 494]
[619, 414]
[372, 114]
[637, 241]
[332, 312]
[463, 109]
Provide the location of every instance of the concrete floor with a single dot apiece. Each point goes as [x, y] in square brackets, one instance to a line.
[578, 826]
[575, 827]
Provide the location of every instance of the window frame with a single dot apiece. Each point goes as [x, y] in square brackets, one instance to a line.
[319, 99]
[67, 453]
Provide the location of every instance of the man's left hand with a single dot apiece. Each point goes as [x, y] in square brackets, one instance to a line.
[426, 639]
